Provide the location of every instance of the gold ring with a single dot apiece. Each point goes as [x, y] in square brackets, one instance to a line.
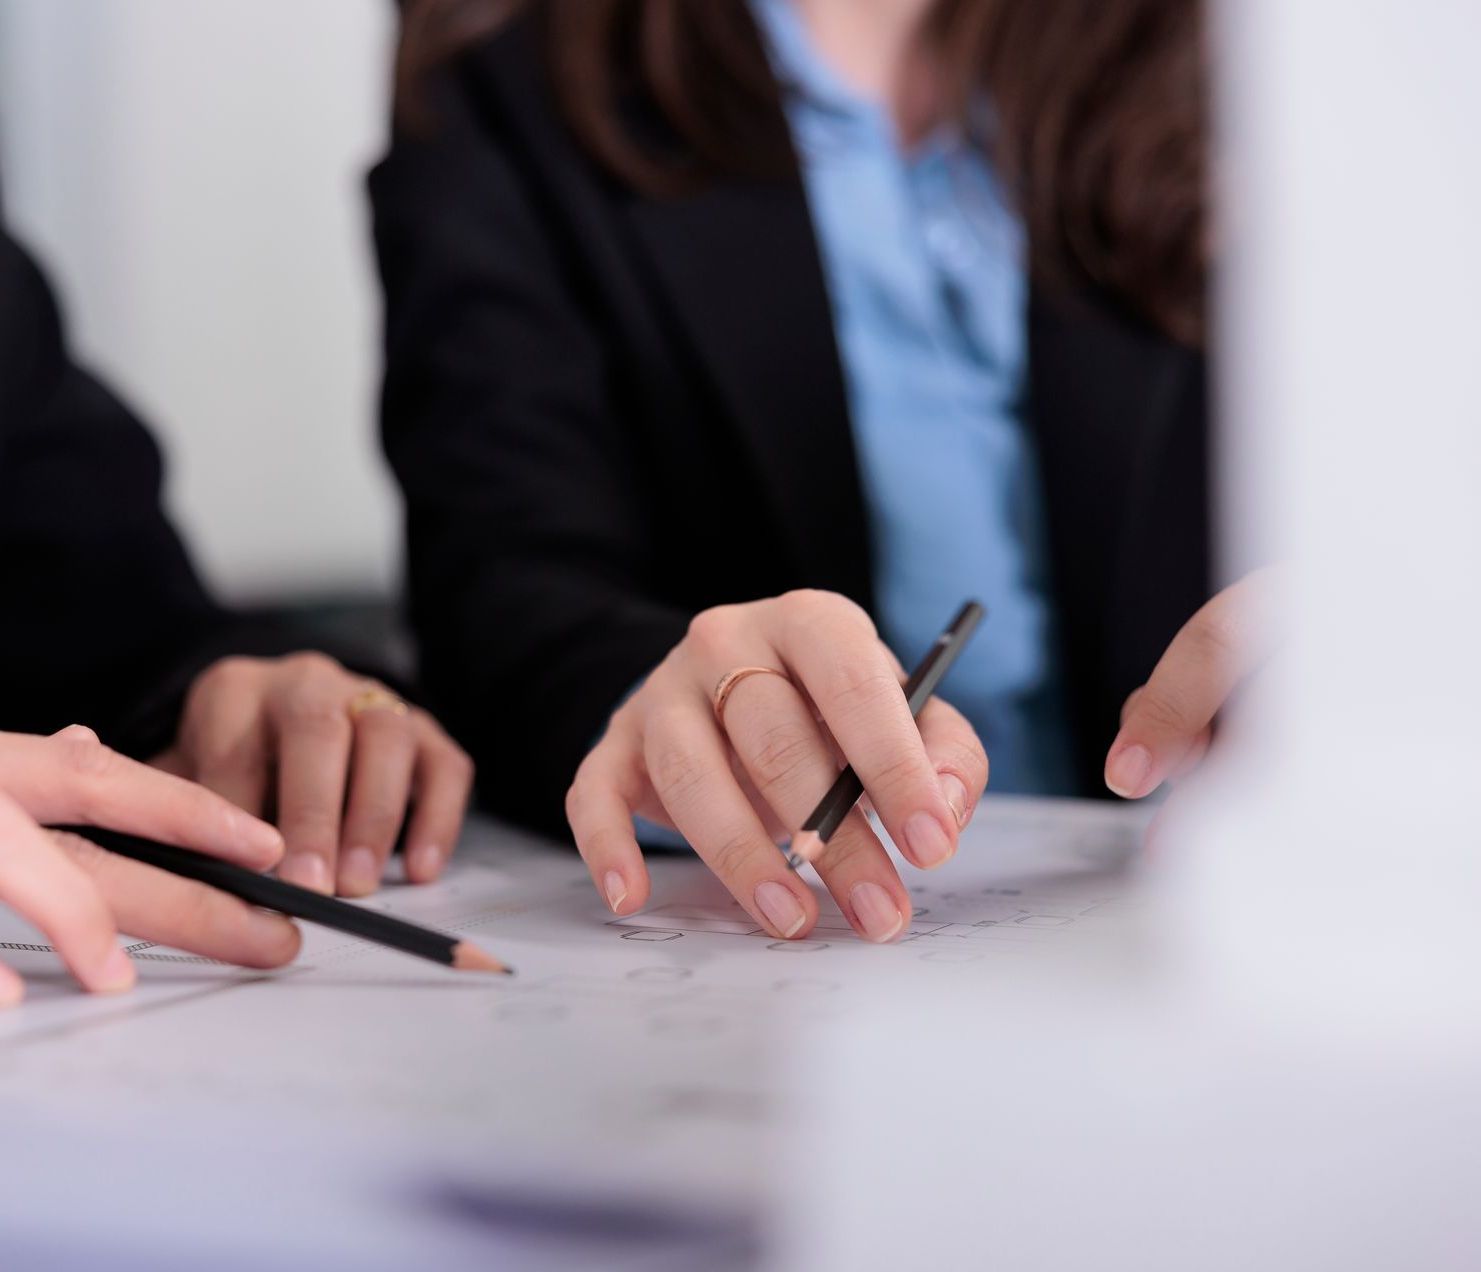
[376, 698]
[730, 679]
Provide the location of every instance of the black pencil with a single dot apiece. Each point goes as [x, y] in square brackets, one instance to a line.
[818, 829]
[298, 903]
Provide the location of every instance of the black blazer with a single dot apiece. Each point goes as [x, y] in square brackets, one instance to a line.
[102, 619]
[608, 412]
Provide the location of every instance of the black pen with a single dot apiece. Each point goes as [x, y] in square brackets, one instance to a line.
[818, 829]
[298, 903]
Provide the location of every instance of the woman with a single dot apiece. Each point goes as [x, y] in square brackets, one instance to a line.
[106, 622]
[857, 308]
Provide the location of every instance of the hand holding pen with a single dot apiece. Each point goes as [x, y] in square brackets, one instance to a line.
[736, 735]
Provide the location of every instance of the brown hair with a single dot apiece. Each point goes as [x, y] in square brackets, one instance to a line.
[1101, 106]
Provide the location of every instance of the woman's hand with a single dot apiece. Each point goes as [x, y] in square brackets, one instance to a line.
[1167, 724]
[80, 896]
[733, 786]
[340, 762]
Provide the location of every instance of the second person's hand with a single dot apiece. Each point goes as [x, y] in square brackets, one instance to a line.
[1167, 725]
[733, 782]
[81, 896]
[340, 761]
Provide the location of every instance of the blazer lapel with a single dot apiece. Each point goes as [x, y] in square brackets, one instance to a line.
[740, 266]
[737, 267]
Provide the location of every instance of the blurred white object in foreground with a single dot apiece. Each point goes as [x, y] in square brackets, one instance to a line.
[1284, 1076]
[1352, 447]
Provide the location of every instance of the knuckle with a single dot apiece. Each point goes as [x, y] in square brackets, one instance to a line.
[311, 663]
[730, 858]
[807, 606]
[217, 754]
[894, 775]
[710, 630]
[859, 684]
[604, 844]
[312, 713]
[1214, 638]
[804, 600]
[847, 848]
[388, 733]
[395, 725]
[227, 672]
[378, 823]
[784, 748]
[83, 752]
[1161, 710]
[309, 825]
[674, 771]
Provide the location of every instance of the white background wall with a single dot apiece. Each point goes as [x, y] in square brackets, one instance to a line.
[192, 172]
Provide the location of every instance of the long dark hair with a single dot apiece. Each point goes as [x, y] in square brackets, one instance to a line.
[1101, 106]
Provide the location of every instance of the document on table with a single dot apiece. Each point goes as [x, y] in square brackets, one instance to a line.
[625, 1041]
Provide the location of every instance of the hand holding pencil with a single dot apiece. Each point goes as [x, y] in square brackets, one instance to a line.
[80, 896]
[213, 901]
[736, 735]
[295, 902]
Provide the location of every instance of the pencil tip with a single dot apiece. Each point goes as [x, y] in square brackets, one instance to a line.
[467, 957]
[804, 849]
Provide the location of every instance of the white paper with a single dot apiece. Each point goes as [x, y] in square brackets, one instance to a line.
[644, 1048]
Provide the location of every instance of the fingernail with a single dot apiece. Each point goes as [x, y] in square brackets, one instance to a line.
[359, 872]
[955, 791]
[425, 861]
[927, 840]
[782, 910]
[116, 974]
[615, 889]
[876, 911]
[307, 870]
[1127, 771]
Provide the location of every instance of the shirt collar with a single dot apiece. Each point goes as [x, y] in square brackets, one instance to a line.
[837, 108]
[804, 76]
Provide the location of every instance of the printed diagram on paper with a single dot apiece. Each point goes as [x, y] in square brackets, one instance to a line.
[1045, 874]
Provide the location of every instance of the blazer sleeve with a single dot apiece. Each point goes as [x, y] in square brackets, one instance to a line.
[529, 551]
[102, 608]
[105, 621]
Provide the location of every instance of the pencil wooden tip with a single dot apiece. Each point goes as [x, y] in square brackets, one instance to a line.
[467, 957]
[806, 847]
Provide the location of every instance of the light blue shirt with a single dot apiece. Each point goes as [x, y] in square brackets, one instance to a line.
[924, 265]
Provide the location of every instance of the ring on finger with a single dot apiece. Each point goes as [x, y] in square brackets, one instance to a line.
[375, 697]
[731, 678]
